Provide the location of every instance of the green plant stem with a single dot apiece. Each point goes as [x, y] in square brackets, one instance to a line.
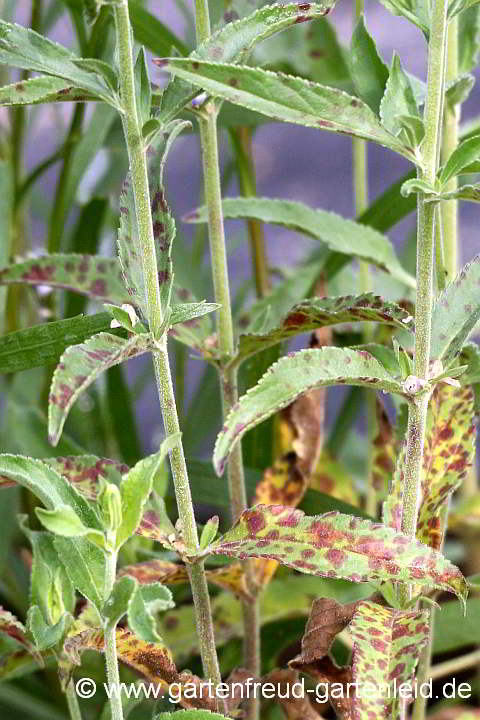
[228, 379]
[110, 640]
[449, 209]
[72, 702]
[138, 168]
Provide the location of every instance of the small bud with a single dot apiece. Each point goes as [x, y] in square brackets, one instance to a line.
[55, 604]
[111, 507]
[412, 385]
[209, 532]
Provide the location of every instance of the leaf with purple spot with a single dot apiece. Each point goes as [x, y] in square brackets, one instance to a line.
[338, 546]
[292, 376]
[43, 89]
[80, 366]
[96, 277]
[387, 646]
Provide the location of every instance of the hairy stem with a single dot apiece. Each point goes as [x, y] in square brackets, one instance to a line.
[228, 380]
[138, 168]
[72, 702]
[110, 640]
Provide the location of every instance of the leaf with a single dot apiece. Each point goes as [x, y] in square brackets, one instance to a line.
[43, 344]
[46, 636]
[43, 89]
[186, 312]
[328, 59]
[383, 450]
[417, 12]
[466, 153]
[469, 31]
[322, 312]
[234, 43]
[369, 72]
[151, 660]
[146, 600]
[289, 99]
[149, 31]
[24, 48]
[470, 193]
[80, 365]
[338, 233]
[335, 545]
[332, 478]
[85, 566]
[48, 486]
[455, 313]
[327, 619]
[96, 277]
[11, 626]
[447, 459]
[290, 377]
[458, 90]
[398, 99]
[137, 486]
[143, 88]
[64, 521]
[390, 641]
[295, 707]
[116, 605]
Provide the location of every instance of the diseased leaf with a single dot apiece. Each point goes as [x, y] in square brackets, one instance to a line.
[289, 99]
[447, 459]
[295, 707]
[336, 545]
[383, 461]
[24, 48]
[332, 478]
[339, 234]
[321, 312]
[292, 376]
[455, 313]
[328, 59]
[387, 646]
[234, 43]
[466, 153]
[43, 344]
[326, 620]
[96, 277]
[11, 626]
[80, 365]
[369, 72]
[43, 89]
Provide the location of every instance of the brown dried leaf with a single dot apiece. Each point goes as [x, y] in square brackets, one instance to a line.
[327, 619]
[295, 708]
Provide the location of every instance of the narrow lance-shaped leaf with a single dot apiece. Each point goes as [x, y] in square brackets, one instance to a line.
[336, 545]
[44, 89]
[24, 48]
[455, 313]
[398, 100]
[338, 233]
[289, 99]
[80, 366]
[369, 72]
[387, 646]
[96, 277]
[290, 377]
[235, 41]
[466, 153]
[321, 312]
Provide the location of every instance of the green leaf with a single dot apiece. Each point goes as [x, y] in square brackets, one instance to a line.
[459, 89]
[186, 312]
[62, 521]
[143, 87]
[120, 404]
[137, 486]
[24, 48]
[328, 59]
[289, 99]
[470, 193]
[338, 233]
[390, 641]
[85, 566]
[96, 277]
[455, 313]
[455, 629]
[369, 72]
[43, 89]
[149, 31]
[48, 486]
[466, 153]
[146, 600]
[459, 6]
[234, 43]
[44, 635]
[209, 532]
[417, 12]
[469, 31]
[321, 312]
[415, 185]
[335, 545]
[80, 366]
[292, 376]
[116, 605]
[447, 459]
[398, 99]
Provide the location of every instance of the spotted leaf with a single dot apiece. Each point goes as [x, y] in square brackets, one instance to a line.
[81, 365]
[289, 99]
[235, 41]
[151, 660]
[11, 626]
[42, 89]
[455, 313]
[321, 312]
[340, 234]
[448, 456]
[387, 646]
[336, 545]
[97, 277]
[292, 376]
[383, 460]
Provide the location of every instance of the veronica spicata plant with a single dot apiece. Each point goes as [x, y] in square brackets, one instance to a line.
[157, 575]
